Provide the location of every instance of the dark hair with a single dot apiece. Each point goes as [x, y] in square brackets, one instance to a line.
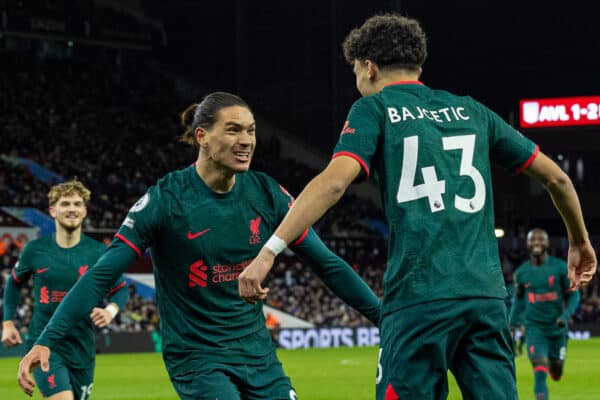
[204, 114]
[390, 40]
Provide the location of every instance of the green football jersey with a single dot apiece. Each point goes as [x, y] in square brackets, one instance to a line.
[55, 270]
[200, 242]
[430, 153]
[546, 287]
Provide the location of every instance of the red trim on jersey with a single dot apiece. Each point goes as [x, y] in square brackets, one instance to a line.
[390, 393]
[529, 160]
[542, 368]
[406, 83]
[301, 238]
[357, 158]
[117, 288]
[14, 275]
[128, 243]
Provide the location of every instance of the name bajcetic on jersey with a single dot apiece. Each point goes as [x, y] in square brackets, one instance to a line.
[446, 114]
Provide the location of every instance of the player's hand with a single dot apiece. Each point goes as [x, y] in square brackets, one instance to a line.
[582, 264]
[251, 278]
[10, 334]
[561, 322]
[38, 356]
[101, 317]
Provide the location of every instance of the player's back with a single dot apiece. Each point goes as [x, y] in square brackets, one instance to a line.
[432, 161]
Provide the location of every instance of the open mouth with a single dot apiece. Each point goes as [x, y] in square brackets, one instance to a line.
[242, 156]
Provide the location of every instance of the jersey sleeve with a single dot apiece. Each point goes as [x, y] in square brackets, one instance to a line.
[565, 283]
[24, 266]
[340, 277]
[360, 134]
[144, 220]
[508, 147]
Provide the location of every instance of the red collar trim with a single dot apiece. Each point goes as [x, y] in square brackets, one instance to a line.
[406, 83]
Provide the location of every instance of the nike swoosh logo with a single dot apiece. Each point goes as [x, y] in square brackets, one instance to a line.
[191, 235]
[41, 270]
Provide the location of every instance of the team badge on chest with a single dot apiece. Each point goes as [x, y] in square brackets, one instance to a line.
[255, 230]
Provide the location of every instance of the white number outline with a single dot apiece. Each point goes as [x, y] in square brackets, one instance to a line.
[432, 188]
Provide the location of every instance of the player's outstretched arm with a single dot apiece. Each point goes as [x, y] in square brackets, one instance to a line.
[582, 258]
[321, 193]
[340, 277]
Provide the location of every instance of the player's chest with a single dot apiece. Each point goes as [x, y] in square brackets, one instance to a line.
[542, 281]
[223, 232]
[60, 269]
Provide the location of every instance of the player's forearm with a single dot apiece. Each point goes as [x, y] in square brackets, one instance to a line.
[12, 295]
[567, 203]
[87, 292]
[517, 308]
[340, 277]
[559, 186]
[314, 201]
[119, 294]
[571, 304]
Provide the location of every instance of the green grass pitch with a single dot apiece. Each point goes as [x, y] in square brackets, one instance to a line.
[317, 374]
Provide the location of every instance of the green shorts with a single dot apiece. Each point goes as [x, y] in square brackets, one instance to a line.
[469, 337]
[544, 342]
[220, 380]
[61, 378]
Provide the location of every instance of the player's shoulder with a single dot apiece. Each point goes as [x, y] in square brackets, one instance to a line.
[174, 180]
[172, 185]
[523, 269]
[259, 180]
[373, 103]
[90, 242]
[558, 263]
[35, 244]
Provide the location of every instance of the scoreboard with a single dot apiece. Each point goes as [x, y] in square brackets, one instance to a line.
[559, 112]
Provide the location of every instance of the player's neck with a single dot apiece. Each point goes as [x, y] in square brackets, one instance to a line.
[538, 260]
[218, 180]
[67, 238]
[387, 78]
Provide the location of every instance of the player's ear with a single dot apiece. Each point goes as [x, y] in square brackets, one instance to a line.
[84, 212]
[52, 211]
[372, 70]
[200, 135]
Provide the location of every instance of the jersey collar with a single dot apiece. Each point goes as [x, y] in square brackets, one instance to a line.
[405, 83]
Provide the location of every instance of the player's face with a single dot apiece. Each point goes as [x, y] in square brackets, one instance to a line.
[230, 142]
[537, 243]
[363, 82]
[69, 212]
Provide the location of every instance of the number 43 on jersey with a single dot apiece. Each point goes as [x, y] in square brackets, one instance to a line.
[432, 187]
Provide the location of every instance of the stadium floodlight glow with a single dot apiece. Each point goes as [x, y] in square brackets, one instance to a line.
[499, 232]
[563, 111]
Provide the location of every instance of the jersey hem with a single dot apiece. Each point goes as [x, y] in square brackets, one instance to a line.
[128, 243]
[300, 239]
[362, 163]
[390, 308]
[530, 160]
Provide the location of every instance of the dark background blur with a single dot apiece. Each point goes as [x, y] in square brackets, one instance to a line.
[286, 55]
